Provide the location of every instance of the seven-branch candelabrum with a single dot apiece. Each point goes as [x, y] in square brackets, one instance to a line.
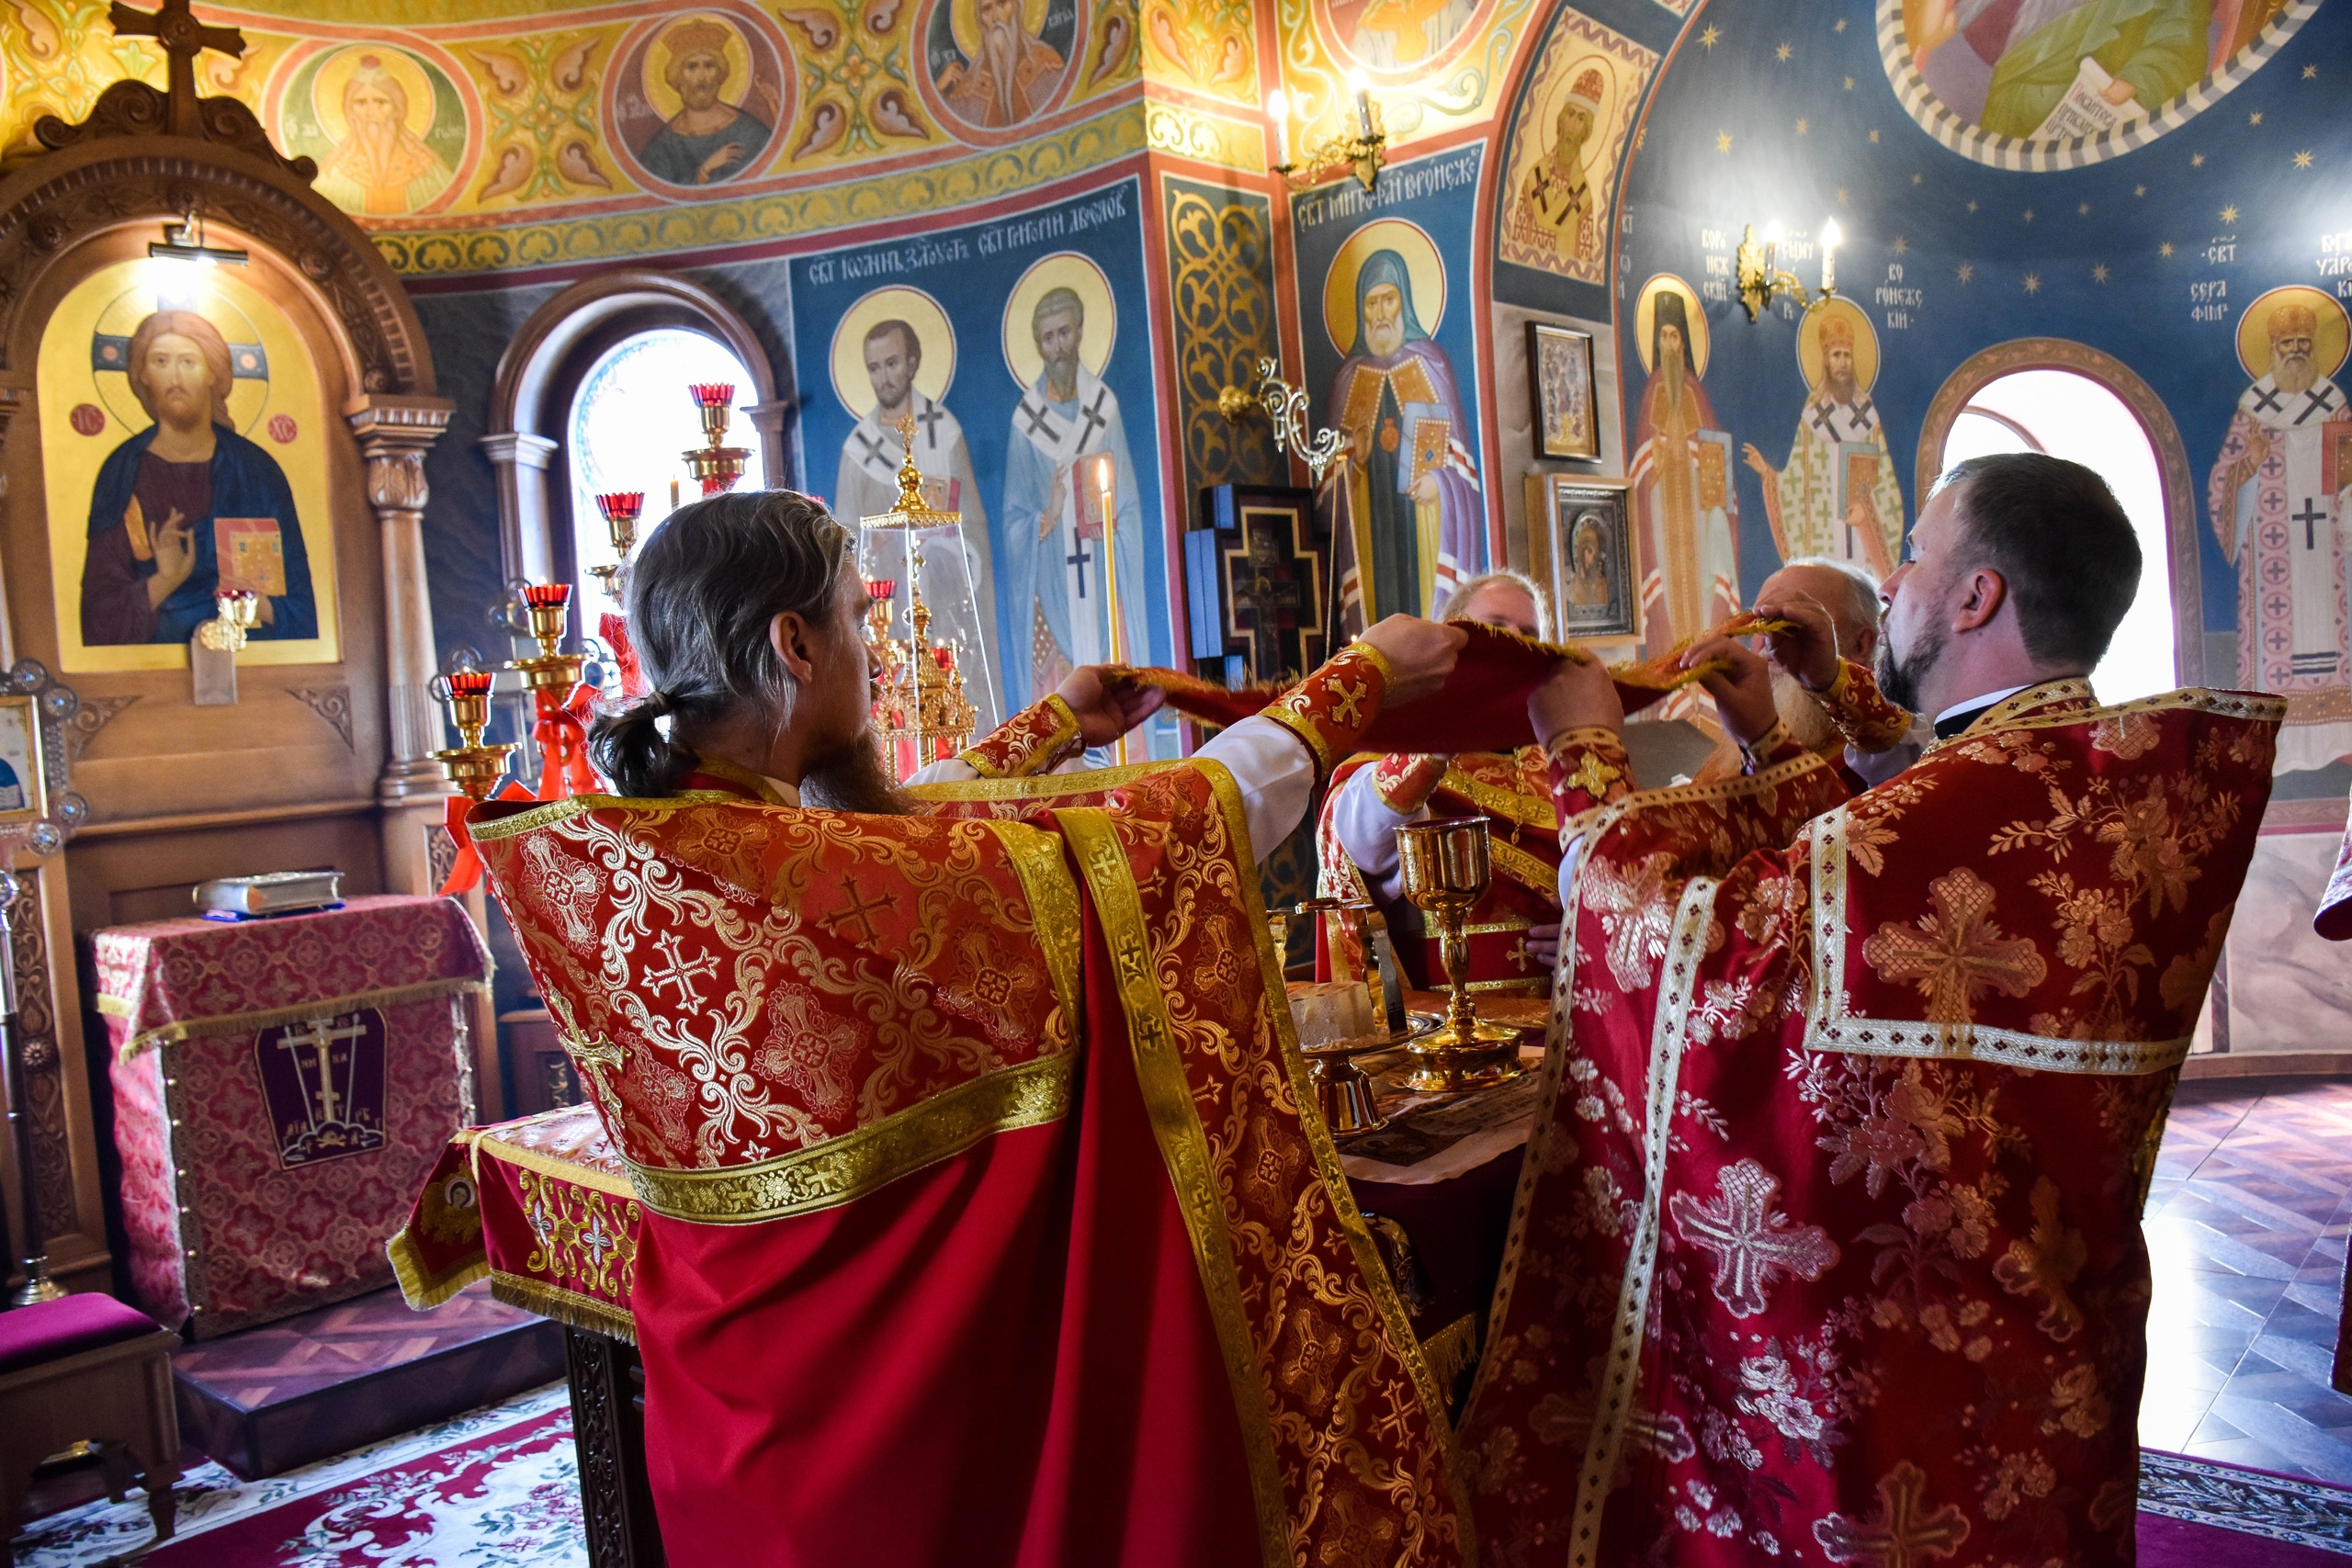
[715, 463]
[922, 712]
[473, 767]
[621, 509]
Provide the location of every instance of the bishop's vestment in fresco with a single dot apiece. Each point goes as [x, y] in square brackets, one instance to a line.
[1055, 593]
[1827, 1247]
[981, 1221]
[1840, 452]
[866, 485]
[2283, 526]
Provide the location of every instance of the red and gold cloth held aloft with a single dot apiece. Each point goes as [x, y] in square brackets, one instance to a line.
[473, 767]
[561, 704]
[621, 509]
[1849, 1130]
[715, 463]
[1513, 791]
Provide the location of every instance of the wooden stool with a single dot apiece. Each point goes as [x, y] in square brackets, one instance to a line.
[86, 1369]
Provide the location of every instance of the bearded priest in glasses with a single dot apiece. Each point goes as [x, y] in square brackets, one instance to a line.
[982, 1222]
[1827, 1247]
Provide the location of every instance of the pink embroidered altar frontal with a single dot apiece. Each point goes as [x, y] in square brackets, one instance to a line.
[281, 1088]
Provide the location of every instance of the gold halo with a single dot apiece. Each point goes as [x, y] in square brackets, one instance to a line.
[1548, 110]
[1063, 269]
[1645, 313]
[1865, 342]
[963, 22]
[327, 87]
[120, 316]
[1409, 241]
[2329, 344]
[654, 74]
[933, 332]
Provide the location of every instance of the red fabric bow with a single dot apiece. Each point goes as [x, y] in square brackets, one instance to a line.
[562, 735]
[465, 870]
[1483, 705]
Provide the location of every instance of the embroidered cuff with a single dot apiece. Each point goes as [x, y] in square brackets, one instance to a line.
[1864, 716]
[1404, 780]
[1588, 771]
[1331, 708]
[1037, 740]
[1775, 745]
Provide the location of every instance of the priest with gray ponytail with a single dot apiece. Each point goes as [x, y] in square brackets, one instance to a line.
[744, 609]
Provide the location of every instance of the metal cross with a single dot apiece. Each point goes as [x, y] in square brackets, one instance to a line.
[182, 38]
[1263, 595]
[320, 1037]
[2309, 517]
[1079, 558]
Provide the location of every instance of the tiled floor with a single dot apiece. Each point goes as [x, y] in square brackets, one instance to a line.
[2247, 1223]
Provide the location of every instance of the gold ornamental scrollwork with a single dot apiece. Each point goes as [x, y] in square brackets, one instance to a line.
[1221, 258]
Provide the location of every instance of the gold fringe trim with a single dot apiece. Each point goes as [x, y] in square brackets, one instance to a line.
[564, 1306]
[241, 1022]
[420, 1287]
[1450, 1350]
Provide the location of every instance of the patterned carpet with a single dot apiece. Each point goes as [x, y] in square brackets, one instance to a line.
[2247, 1223]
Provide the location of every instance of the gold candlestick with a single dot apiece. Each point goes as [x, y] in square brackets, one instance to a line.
[621, 510]
[473, 767]
[550, 604]
[715, 463]
[1446, 869]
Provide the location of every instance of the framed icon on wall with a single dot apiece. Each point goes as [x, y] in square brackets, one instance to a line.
[1585, 529]
[1559, 377]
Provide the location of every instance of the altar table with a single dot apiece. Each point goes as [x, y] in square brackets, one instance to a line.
[281, 1088]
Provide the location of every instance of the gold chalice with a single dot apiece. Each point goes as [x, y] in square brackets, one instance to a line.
[1446, 872]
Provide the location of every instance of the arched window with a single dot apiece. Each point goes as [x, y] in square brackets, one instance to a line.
[631, 422]
[2078, 417]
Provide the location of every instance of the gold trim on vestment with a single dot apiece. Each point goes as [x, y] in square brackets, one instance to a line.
[567, 1307]
[1621, 1368]
[1036, 859]
[1523, 868]
[588, 1176]
[551, 812]
[2012, 713]
[1591, 824]
[1039, 787]
[1184, 1145]
[1303, 727]
[841, 1169]
[265, 1018]
[1829, 1027]
[1451, 1349]
[758, 783]
[1530, 811]
[1349, 1219]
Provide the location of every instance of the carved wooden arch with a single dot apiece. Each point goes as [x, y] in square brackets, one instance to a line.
[544, 359]
[1990, 365]
[98, 183]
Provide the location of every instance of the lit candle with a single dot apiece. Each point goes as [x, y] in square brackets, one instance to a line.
[1362, 87]
[1832, 237]
[1106, 479]
[1278, 110]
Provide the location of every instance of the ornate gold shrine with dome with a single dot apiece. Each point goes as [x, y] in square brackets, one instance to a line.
[922, 712]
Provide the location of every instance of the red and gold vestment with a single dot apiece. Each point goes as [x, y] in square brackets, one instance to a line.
[1827, 1247]
[1513, 791]
[980, 1222]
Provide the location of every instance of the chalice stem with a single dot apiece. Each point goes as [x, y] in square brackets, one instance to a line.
[1455, 948]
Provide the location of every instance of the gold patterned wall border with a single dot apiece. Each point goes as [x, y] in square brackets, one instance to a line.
[1208, 46]
[781, 215]
[1183, 131]
[1221, 290]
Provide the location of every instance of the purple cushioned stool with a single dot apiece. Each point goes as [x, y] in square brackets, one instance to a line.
[86, 1369]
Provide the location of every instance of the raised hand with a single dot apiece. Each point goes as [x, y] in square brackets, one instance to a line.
[175, 557]
[1811, 651]
[1742, 690]
[1420, 655]
[1107, 702]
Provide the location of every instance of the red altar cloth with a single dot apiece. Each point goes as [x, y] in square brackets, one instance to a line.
[280, 1088]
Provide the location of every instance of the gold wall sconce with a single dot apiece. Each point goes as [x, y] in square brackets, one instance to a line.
[1363, 151]
[1762, 279]
[1285, 406]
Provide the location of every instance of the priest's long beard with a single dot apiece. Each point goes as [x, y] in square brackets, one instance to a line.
[852, 778]
[1001, 49]
[1899, 674]
[1806, 720]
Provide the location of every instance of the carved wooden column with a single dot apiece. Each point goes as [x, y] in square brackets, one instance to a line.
[608, 1427]
[394, 432]
[525, 534]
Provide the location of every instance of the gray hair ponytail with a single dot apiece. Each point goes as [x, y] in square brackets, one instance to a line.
[703, 591]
